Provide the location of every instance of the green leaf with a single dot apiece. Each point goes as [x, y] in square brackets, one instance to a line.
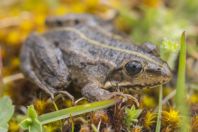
[131, 116]
[32, 112]
[73, 111]
[6, 112]
[26, 123]
[3, 129]
[169, 51]
[31, 122]
[181, 92]
[36, 126]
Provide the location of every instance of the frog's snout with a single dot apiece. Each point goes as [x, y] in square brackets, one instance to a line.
[166, 72]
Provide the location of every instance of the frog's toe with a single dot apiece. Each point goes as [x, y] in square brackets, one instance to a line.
[51, 95]
[67, 94]
[79, 100]
[123, 97]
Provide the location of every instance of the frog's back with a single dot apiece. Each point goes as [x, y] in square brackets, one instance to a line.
[95, 42]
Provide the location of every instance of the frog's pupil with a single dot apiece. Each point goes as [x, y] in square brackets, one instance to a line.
[133, 67]
[59, 23]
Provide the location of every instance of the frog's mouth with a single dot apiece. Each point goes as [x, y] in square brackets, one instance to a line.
[122, 85]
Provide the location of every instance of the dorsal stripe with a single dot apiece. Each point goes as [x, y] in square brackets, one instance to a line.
[99, 44]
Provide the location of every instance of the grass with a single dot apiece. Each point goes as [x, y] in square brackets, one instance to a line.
[76, 110]
[158, 126]
[180, 98]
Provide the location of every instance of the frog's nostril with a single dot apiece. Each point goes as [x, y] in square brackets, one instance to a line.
[166, 71]
[159, 69]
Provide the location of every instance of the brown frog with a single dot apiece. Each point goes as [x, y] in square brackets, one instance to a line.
[81, 49]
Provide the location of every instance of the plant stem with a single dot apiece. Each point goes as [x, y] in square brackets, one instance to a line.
[158, 126]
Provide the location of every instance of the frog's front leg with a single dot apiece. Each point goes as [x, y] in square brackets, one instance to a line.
[93, 92]
[42, 63]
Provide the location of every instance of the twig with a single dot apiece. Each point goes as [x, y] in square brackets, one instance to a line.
[99, 125]
[1, 77]
[12, 78]
[168, 97]
[14, 21]
[171, 95]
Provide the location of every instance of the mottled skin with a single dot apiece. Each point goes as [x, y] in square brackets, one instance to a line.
[94, 60]
[76, 19]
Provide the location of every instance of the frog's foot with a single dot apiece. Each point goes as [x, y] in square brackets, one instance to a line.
[124, 97]
[67, 94]
[93, 92]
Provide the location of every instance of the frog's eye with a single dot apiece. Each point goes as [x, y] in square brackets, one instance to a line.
[133, 67]
[76, 22]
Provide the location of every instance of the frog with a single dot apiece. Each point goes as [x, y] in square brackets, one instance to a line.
[83, 50]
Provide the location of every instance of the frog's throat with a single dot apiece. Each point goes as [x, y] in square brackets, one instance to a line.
[96, 43]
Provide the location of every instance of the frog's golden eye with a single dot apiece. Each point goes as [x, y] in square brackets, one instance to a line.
[133, 67]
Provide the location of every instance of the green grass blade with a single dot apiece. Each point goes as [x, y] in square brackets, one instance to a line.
[180, 98]
[94, 128]
[73, 111]
[158, 126]
[180, 89]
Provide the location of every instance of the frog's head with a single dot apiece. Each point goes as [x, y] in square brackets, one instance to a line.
[140, 73]
[70, 20]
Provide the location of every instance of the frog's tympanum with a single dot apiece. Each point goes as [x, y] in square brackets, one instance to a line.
[81, 49]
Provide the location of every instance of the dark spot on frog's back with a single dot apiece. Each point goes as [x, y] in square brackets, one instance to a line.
[76, 22]
[111, 53]
[56, 43]
[59, 23]
[83, 65]
[92, 51]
